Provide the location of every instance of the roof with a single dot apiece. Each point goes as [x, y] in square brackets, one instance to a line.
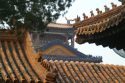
[112, 37]
[59, 25]
[17, 64]
[106, 29]
[79, 72]
[120, 52]
[101, 22]
[57, 50]
[58, 42]
[40, 39]
[67, 29]
[84, 58]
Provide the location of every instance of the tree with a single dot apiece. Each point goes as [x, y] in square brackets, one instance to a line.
[35, 14]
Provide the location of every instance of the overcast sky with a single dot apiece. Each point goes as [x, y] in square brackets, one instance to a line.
[85, 6]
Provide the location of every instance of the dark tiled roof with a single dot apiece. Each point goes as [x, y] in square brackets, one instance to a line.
[73, 58]
[80, 72]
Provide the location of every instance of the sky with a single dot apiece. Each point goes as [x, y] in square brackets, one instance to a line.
[85, 6]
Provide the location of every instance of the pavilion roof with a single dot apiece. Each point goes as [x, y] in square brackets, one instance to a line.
[59, 25]
[75, 56]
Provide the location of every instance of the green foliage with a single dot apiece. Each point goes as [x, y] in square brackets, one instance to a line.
[36, 14]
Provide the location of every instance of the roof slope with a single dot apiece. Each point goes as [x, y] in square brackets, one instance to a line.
[18, 63]
[79, 72]
[103, 22]
[106, 29]
[59, 25]
[57, 50]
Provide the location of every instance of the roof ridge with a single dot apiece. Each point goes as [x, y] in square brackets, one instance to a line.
[103, 15]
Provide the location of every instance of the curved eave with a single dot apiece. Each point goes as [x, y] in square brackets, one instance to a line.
[17, 63]
[82, 58]
[59, 25]
[101, 26]
[120, 52]
[112, 37]
[100, 17]
[57, 42]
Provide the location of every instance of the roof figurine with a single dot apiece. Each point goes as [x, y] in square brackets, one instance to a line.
[122, 1]
[106, 29]
[75, 19]
[113, 5]
[98, 11]
[68, 20]
[84, 16]
[92, 14]
[106, 8]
